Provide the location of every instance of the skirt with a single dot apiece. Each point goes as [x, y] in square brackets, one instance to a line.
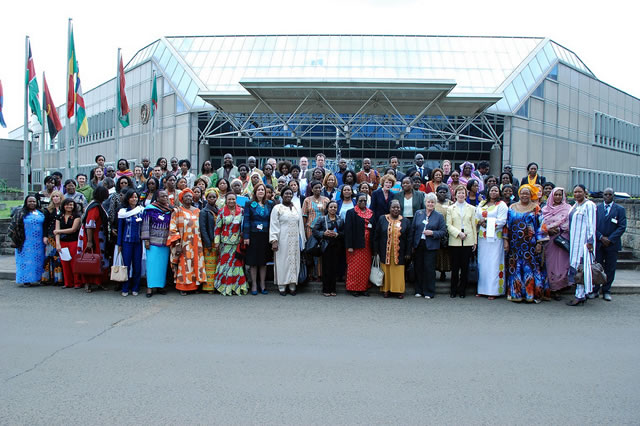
[393, 278]
[210, 266]
[230, 278]
[157, 262]
[259, 250]
[52, 265]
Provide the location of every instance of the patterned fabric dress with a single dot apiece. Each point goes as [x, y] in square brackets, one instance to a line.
[93, 222]
[210, 264]
[443, 263]
[312, 210]
[188, 266]
[526, 279]
[52, 264]
[359, 261]
[30, 258]
[230, 278]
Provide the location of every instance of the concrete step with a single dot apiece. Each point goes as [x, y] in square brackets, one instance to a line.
[625, 254]
[629, 264]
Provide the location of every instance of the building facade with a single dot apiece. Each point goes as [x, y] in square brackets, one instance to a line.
[359, 96]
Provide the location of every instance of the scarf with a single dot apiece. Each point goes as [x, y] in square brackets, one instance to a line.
[124, 213]
[103, 216]
[556, 215]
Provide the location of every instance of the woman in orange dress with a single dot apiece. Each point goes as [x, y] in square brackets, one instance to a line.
[187, 258]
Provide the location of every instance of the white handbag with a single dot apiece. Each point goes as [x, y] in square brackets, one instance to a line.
[119, 272]
[376, 275]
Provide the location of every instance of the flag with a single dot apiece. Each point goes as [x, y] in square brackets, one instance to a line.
[32, 86]
[123, 105]
[72, 68]
[81, 114]
[53, 120]
[154, 97]
[2, 123]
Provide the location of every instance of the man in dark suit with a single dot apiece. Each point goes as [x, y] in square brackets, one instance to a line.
[611, 222]
[425, 172]
[393, 163]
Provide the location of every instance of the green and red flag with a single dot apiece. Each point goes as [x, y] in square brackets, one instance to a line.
[32, 87]
[53, 120]
[81, 114]
[123, 105]
[154, 96]
[72, 68]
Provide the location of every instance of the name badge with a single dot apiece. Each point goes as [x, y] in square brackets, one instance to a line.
[161, 217]
[398, 225]
[614, 220]
[369, 226]
[425, 222]
[259, 226]
[236, 221]
[35, 212]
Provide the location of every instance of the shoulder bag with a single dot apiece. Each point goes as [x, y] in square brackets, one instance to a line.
[376, 276]
[88, 263]
[119, 272]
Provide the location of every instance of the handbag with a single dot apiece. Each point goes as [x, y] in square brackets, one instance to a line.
[88, 263]
[598, 276]
[313, 247]
[302, 274]
[472, 274]
[562, 242]
[119, 272]
[376, 276]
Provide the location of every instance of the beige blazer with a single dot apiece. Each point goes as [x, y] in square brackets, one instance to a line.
[455, 224]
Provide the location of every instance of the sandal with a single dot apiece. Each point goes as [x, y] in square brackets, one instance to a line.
[326, 294]
[491, 298]
[183, 293]
[333, 294]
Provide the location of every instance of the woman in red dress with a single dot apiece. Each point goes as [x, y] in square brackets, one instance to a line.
[93, 232]
[358, 233]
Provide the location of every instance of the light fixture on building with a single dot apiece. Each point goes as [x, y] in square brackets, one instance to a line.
[346, 128]
[285, 127]
[407, 129]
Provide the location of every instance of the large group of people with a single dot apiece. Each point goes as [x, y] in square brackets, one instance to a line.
[220, 230]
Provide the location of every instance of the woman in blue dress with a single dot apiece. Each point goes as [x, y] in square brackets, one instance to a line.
[525, 232]
[255, 231]
[27, 235]
[155, 230]
[129, 241]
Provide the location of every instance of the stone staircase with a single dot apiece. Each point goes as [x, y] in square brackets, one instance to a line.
[627, 261]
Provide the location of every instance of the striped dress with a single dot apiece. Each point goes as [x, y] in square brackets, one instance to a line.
[582, 230]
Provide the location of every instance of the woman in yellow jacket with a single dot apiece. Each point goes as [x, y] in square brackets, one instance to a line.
[461, 224]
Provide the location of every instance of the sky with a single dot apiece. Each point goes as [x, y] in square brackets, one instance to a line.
[603, 34]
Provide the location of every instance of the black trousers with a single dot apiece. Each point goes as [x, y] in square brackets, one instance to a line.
[608, 258]
[425, 267]
[459, 268]
[330, 267]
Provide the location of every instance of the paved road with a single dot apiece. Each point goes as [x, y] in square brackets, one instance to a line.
[67, 357]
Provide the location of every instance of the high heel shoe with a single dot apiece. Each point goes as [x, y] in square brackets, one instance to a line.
[576, 302]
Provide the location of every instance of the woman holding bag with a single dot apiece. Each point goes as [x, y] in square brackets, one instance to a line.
[66, 235]
[359, 235]
[330, 230]
[129, 242]
[93, 237]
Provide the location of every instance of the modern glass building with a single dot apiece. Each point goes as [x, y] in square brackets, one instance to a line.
[374, 96]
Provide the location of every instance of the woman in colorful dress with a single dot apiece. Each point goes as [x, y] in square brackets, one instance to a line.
[129, 242]
[525, 233]
[155, 231]
[582, 239]
[359, 237]
[255, 230]
[66, 236]
[186, 257]
[230, 278]
[222, 188]
[93, 238]
[172, 191]
[207, 221]
[151, 187]
[286, 236]
[392, 244]
[312, 208]
[491, 273]
[53, 273]
[26, 232]
[123, 170]
[443, 264]
[556, 217]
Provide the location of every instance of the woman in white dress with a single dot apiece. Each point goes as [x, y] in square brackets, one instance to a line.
[286, 235]
[491, 212]
[582, 238]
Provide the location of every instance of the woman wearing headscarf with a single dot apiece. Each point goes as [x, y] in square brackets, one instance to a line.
[491, 215]
[556, 218]
[523, 237]
[467, 170]
[155, 231]
[186, 258]
[230, 278]
[26, 232]
[208, 217]
[582, 233]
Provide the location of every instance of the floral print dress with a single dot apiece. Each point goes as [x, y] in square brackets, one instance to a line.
[230, 278]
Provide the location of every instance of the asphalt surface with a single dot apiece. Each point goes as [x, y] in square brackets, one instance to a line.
[67, 357]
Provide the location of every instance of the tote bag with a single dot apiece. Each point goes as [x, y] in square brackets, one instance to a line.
[376, 275]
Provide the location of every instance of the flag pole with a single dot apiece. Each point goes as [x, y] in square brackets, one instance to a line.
[76, 168]
[153, 118]
[67, 125]
[44, 127]
[117, 113]
[25, 146]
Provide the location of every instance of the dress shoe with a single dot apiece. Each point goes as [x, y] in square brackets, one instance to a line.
[607, 297]
[255, 293]
[292, 292]
[365, 293]
[576, 302]
[592, 295]
[161, 291]
[428, 297]
[418, 295]
[149, 294]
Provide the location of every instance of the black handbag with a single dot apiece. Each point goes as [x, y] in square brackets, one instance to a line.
[562, 242]
[313, 247]
[473, 274]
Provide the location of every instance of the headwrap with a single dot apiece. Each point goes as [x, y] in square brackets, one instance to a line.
[183, 192]
[209, 191]
[556, 215]
[236, 180]
[535, 192]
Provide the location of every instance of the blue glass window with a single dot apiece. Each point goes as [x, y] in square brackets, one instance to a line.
[553, 74]
[524, 110]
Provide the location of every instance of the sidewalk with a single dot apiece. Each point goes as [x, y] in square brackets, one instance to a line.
[626, 282]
